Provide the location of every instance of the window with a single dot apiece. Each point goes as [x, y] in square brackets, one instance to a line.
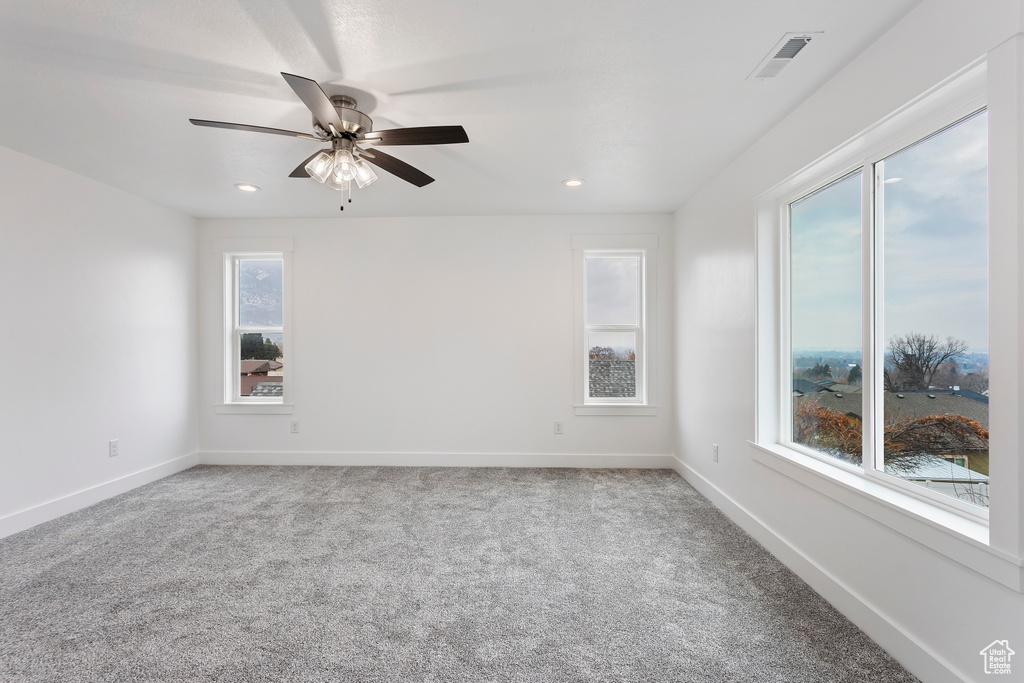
[612, 321]
[931, 217]
[613, 335]
[258, 322]
[257, 358]
[827, 402]
[884, 315]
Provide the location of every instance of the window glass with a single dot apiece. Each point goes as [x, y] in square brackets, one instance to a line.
[613, 336]
[612, 364]
[260, 292]
[825, 321]
[613, 290]
[932, 213]
[259, 329]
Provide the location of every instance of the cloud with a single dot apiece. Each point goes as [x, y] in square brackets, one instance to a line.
[936, 235]
[825, 267]
[613, 290]
[934, 241]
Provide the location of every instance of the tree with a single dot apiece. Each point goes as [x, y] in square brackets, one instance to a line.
[255, 347]
[608, 353]
[912, 360]
[906, 439]
[935, 434]
[819, 371]
[827, 430]
[975, 381]
[856, 375]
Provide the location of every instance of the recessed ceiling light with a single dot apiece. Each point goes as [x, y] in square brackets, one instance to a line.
[572, 182]
[246, 187]
[892, 180]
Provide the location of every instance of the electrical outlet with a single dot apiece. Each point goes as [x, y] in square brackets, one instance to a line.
[559, 428]
[114, 448]
[714, 452]
[294, 426]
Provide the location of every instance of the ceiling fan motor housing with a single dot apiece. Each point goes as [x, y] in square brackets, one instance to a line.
[355, 122]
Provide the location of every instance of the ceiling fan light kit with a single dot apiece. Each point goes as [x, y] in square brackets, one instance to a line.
[336, 120]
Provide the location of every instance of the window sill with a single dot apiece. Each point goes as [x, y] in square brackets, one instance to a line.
[615, 410]
[959, 538]
[254, 408]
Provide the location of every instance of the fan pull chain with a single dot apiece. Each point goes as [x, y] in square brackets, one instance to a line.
[346, 191]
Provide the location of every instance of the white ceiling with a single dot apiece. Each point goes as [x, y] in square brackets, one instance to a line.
[646, 100]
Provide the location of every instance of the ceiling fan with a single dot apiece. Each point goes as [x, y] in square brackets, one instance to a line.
[353, 141]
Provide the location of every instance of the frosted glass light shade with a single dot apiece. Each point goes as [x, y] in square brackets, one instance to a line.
[320, 167]
[364, 174]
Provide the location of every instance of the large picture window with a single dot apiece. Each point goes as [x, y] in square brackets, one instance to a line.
[885, 307]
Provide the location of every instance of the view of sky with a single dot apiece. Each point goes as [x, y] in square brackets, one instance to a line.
[260, 284]
[613, 294]
[936, 236]
[934, 212]
[825, 262]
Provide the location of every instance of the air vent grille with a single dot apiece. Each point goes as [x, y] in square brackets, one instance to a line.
[772, 68]
[781, 55]
[791, 48]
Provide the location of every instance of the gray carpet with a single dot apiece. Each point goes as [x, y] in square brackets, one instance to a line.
[414, 574]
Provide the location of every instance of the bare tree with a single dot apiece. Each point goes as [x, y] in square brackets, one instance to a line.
[912, 360]
[906, 440]
[934, 434]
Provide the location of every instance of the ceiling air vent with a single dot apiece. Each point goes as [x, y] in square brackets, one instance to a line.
[781, 55]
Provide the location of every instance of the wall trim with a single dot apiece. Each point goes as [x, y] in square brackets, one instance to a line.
[428, 459]
[918, 658]
[52, 509]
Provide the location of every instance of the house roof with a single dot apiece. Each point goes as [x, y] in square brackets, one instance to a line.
[268, 389]
[933, 468]
[806, 386]
[646, 105]
[966, 393]
[251, 366]
[249, 382]
[910, 406]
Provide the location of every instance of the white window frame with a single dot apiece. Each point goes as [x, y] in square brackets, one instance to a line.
[231, 252]
[986, 541]
[645, 247]
[873, 342]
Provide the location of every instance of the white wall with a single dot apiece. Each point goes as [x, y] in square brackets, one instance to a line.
[431, 341]
[931, 612]
[99, 326]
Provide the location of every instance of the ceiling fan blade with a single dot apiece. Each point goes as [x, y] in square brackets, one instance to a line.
[399, 168]
[253, 129]
[316, 100]
[300, 170]
[424, 135]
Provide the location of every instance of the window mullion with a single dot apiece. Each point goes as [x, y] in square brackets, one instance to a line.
[870, 285]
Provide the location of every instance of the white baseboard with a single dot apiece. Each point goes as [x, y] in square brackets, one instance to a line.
[919, 659]
[44, 512]
[342, 458]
